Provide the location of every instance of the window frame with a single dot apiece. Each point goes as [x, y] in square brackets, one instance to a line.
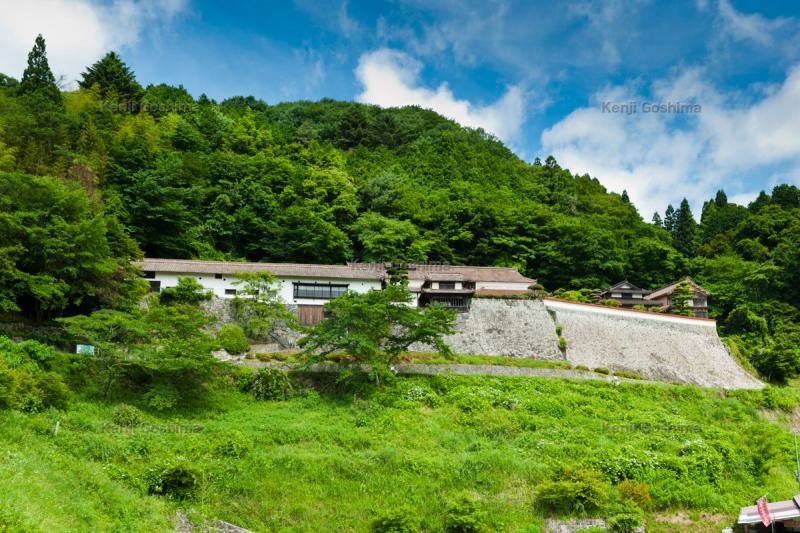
[317, 291]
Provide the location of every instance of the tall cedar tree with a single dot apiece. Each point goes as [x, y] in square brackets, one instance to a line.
[113, 77]
[684, 230]
[38, 78]
[669, 218]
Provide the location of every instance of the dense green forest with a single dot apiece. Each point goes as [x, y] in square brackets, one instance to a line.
[93, 177]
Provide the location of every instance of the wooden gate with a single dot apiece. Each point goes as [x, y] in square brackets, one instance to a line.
[309, 314]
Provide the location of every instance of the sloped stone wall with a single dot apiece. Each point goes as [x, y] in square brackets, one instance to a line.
[513, 328]
[659, 347]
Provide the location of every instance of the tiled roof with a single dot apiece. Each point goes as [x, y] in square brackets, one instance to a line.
[371, 271]
[189, 266]
[671, 287]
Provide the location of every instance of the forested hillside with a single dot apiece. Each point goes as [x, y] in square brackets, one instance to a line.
[93, 177]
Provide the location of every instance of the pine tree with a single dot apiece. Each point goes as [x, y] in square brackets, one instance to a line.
[657, 220]
[38, 78]
[721, 199]
[669, 218]
[114, 79]
[684, 230]
[681, 299]
[625, 197]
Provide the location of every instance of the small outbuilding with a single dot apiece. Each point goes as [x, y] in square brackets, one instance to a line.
[785, 516]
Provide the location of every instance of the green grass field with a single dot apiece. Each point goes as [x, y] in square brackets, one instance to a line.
[334, 457]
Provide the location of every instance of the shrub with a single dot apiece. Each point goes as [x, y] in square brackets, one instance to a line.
[562, 343]
[582, 368]
[231, 444]
[162, 397]
[610, 303]
[559, 329]
[269, 384]
[403, 519]
[53, 392]
[187, 291]
[126, 415]
[232, 339]
[636, 493]
[464, 515]
[576, 491]
[629, 375]
[177, 480]
[624, 519]
[601, 370]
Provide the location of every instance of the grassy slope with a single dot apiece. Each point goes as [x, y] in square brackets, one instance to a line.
[331, 462]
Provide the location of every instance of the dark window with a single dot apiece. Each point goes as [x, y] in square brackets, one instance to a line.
[468, 285]
[230, 291]
[447, 284]
[319, 291]
[149, 274]
[155, 286]
[218, 276]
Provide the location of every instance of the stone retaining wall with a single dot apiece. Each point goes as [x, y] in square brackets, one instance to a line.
[512, 328]
[659, 347]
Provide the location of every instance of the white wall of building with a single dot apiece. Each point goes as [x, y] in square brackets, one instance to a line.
[219, 286]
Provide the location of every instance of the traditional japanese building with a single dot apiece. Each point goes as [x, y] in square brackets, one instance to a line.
[698, 302]
[306, 287]
[629, 295]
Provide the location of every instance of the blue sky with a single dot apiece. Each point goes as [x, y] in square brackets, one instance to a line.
[536, 74]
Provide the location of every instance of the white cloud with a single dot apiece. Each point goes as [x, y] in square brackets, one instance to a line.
[754, 27]
[662, 157]
[391, 79]
[77, 32]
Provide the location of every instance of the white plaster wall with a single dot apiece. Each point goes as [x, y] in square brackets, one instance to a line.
[506, 286]
[286, 289]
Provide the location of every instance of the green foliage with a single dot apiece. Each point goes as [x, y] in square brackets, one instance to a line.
[681, 299]
[269, 384]
[176, 479]
[258, 305]
[575, 491]
[402, 519]
[126, 415]
[37, 77]
[609, 302]
[232, 339]
[465, 515]
[188, 291]
[58, 251]
[160, 341]
[25, 380]
[625, 519]
[377, 327]
[231, 444]
[113, 79]
[638, 493]
[162, 397]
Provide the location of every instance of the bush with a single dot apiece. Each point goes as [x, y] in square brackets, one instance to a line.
[559, 329]
[162, 397]
[126, 415]
[601, 370]
[177, 480]
[231, 444]
[53, 392]
[187, 291]
[629, 375]
[610, 303]
[269, 384]
[232, 339]
[403, 519]
[624, 519]
[575, 491]
[562, 343]
[464, 515]
[636, 493]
